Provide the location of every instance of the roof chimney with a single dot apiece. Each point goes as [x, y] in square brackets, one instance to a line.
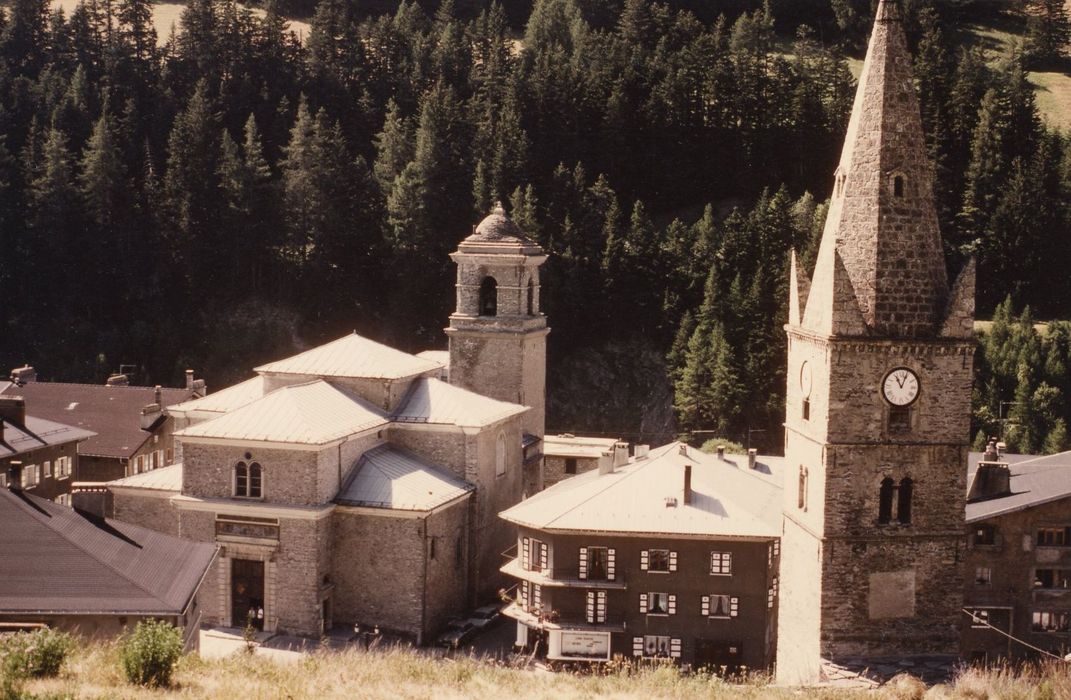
[721, 452]
[620, 454]
[13, 409]
[752, 455]
[24, 374]
[687, 484]
[606, 463]
[641, 452]
[189, 379]
[118, 380]
[157, 396]
[992, 479]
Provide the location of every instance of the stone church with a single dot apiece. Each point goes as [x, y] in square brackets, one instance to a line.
[350, 483]
[880, 355]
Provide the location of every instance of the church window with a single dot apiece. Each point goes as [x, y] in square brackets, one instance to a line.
[898, 186]
[531, 298]
[801, 500]
[247, 480]
[570, 465]
[489, 297]
[885, 500]
[903, 504]
[500, 455]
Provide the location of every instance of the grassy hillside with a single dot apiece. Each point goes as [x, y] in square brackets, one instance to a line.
[93, 673]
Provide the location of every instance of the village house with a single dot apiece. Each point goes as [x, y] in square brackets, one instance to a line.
[568, 455]
[672, 555]
[37, 455]
[350, 484]
[131, 430]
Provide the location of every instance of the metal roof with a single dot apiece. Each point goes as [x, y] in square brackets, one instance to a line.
[59, 560]
[440, 356]
[572, 446]
[226, 399]
[355, 357]
[113, 413]
[431, 400]
[314, 413]
[387, 477]
[1034, 481]
[729, 500]
[162, 479]
[36, 433]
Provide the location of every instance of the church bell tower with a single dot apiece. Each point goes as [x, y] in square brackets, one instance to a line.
[880, 352]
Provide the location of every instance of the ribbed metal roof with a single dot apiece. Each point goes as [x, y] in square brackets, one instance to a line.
[162, 479]
[569, 446]
[314, 413]
[36, 433]
[1034, 481]
[226, 399]
[387, 477]
[433, 401]
[355, 357]
[729, 499]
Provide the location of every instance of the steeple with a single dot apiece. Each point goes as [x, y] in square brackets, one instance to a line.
[881, 241]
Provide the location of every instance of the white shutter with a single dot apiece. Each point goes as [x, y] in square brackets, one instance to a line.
[704, 608]
[734, 606]
[777, 548]
[591, 607]
[584, 562]
[543, 563]
[672, 604]
[600, 606]
[537, 595]
[675, 648]
[672, 561]
[644, 560]
[526, 553]
[523, 591]
[610, 563]
[769, 598]
[637, 646]
[643, 603]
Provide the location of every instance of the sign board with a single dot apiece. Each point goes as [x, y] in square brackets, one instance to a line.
[585, 645]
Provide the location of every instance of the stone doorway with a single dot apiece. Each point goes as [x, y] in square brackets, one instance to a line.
[247, 593]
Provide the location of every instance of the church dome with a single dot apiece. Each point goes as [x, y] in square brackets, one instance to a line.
[497, 226]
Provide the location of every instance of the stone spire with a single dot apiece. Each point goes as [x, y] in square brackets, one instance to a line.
[881, 242]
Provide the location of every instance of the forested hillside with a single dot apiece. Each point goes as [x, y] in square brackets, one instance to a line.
[234, 194]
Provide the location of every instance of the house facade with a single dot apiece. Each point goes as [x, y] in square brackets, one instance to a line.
[673, 555]
[569, 455]
[37, 456]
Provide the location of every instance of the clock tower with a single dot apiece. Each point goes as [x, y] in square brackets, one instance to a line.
[880, 351]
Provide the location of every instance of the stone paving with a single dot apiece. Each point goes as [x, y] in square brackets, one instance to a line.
[871, 673]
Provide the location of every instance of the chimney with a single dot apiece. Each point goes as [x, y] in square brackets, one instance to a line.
[118, 380]
[24, 374]
[752, 455]
[606, 463]
[721, 452]
[157, 396]
[189, 379]
[687, 484]
[13, 409]
[641, 452]
[682, 449]
[620, 454]
[991, 480]
[150, 414]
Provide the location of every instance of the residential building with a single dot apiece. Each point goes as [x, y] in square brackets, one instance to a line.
[71, 571]
[674, 554]
[568, 455]
[1017, 590]
[132, 432]
[349, 483]
[37, 455]
[880, 354]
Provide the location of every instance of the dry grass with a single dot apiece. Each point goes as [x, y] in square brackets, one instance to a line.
[400, 673]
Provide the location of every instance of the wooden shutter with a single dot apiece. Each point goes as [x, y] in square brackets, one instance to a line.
[590, 610]
[734, 606]
[611, 556]
[543, 558]
[583, 562]
[675, 648]
[637, 646]
[769, 598]
[672, 561]
[704, 607]
[671, 604]
[526, 553]
[643, 603]
[600, 606]
[537, 595]
[524, 594]
[645, 560]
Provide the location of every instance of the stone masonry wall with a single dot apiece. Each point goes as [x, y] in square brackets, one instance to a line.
[150, 510]
[289, 476]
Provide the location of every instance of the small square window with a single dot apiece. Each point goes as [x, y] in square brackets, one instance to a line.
[979, 619]
[657, 604]
[983, 576]
[570, 465]
[899, 419]
[721, 563]
[659, 560]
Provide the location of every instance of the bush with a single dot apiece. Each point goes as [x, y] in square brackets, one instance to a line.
[149, 654]
[37, 654]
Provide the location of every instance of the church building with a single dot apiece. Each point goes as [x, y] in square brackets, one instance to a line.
[880, 353]
[350, 484]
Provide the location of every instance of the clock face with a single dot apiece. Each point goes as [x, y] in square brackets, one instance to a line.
[805, 379]
[901, 387]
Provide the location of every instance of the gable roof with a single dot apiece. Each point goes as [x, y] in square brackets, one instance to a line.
[431, 400]
[314, 413]
[1034, 481]
[576, 446]
[36, 433]
[224, 400]
[729, 500]
[59, 560]
[387, 477]
[163, 479]
[352, 356]
[113, 413]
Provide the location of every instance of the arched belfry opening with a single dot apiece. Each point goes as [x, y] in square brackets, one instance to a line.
[488, 297]
[531, 298]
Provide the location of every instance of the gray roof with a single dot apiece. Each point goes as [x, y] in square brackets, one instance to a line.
[224, 400]
[387, 477]
[36, 433]
[574, 446]
[59, 560]
[162, 479]
[729, 500]
[352, 356]
[434, 401]
[1034, 481]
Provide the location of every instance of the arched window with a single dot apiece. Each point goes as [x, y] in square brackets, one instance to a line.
[500, 455]
[248, 480]
[531, 298]
[898, 186]
[903, 502]
[885, 500]
[802, 497]
[488, 297]
[241, 479]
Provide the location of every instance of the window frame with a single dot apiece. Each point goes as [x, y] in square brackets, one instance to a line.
[721, 563]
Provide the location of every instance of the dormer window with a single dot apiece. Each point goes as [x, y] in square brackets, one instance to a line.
[489, 297]
[247, 480]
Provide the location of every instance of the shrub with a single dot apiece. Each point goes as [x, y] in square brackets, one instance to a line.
[37, 654]
[149, 654]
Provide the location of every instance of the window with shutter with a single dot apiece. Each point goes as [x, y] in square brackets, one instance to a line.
[543, 557]
[721, 563]
[523, 592]
[704, 608]
[672, 604]
[672, 561]
[583, 562]
[643, 603]
[645, 560]
[526, 553]
[769, 598]
[675, 648]
[734, 606]
[611, 560]
[600, 606]
[537, 595]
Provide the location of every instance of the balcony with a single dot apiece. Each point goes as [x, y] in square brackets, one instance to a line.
[552, 620]
[561, 578]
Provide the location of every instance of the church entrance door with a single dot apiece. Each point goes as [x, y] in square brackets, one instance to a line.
[247, 593]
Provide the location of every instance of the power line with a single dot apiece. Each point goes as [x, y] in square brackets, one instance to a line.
[975, 620]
